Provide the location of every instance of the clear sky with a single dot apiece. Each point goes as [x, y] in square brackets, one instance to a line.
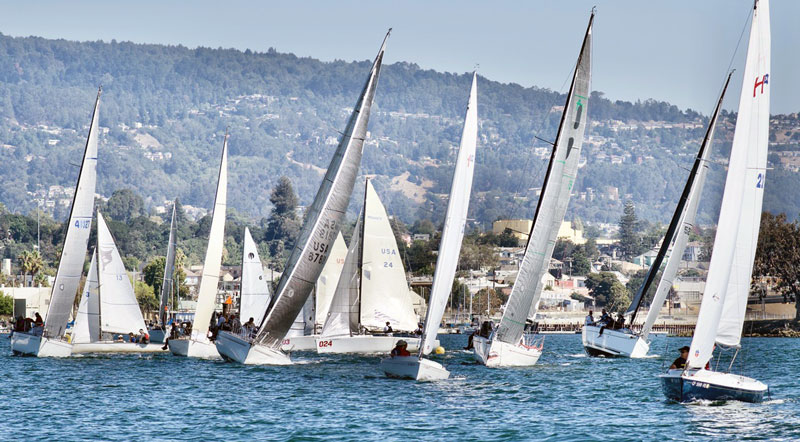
[673, 50]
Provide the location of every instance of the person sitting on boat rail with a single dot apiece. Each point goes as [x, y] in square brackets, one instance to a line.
[132, 338]
[590, 318]
[680, 362]
[419, 329]
[388, 328]
[38, 322]
[249, 327]
[401, 349]
[143, 337]
[486, 329]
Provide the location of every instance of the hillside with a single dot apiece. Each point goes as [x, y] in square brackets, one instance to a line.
[165, 109]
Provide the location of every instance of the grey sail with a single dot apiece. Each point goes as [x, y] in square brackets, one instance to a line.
[322, 220]
[70, 264]
[167, 283]
[552, 205]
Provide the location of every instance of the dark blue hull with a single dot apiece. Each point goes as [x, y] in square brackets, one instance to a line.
[683, 390]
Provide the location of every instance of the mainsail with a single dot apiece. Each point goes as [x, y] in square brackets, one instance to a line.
[255, 294]
[725, 299]
[552, 205]
[119, 310]
[70, 265]
[169, 271]
[680, 226]
[207, 293]
[454, 222]
[87, 321]
[312, 247]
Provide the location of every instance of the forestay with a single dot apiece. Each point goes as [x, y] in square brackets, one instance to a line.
[384, 288]
[209, 281]
[552, 205]
[119, 310]
[255, 293]
[313, 244]
[73, 254]
[87, 321]
[454, 222]
[725, 299]
[169, 270]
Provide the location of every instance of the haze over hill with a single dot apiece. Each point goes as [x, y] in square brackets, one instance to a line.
[166, 108]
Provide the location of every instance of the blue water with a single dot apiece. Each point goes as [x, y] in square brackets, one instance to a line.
[567, 396]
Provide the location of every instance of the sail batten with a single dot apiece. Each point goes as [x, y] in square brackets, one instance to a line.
[552, 205]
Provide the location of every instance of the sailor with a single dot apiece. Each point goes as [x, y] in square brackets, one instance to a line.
[143, 337]
[400, 349]
[589, 318]
[605, 318]
[388, 328]
[471, 340]
[486, 329]
[419, 329]
[249, 326]
[131, 338]
[680, 363]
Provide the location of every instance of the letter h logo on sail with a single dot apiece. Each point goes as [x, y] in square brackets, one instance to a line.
[764, 80]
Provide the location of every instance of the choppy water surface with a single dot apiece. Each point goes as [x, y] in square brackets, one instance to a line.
[567, 396]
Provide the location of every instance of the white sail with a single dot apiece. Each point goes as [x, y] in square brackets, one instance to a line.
[73, 254]
[687, 211]
[312, 247]
[384, 288]
[207, 293]
[87, 321]
[328, 280]
[119, 310]
[454, 223]
[255, 294]
[168, 280]
[343, 318]
[725, 299]
[552, 205]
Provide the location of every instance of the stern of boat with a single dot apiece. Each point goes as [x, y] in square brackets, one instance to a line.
[412, 367]
[30, 345]
[709, 385]
[613, 343]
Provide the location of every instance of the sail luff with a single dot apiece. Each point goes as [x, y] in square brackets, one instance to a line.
[687, 211]
[553, 202]
[169, 270]
[209, 281]
[728, 284]
[454, 222]
[323, 218]
[76, 241]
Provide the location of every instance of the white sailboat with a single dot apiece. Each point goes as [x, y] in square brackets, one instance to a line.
[198, 344]
[255, 294]
[372, 289]
[417, 367]
[722, 310]
[168, 283]
[312, 248]
[599, 341]
[50, 340]
[306, 328]
[108, 306]
[509, 345]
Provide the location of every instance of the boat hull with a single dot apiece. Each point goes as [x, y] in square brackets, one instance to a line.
[363, 344]
[157, 335]
[116, 347]
[234, 348]
[31, 345]
[193, 349]
[492, 353]
[708, 385]
[300, 343]
[412, 367]
[613, 343]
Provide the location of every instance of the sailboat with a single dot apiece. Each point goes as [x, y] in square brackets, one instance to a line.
[308, 324]
[598, 341]
[509, 345]
[158, 334]
[416, 366]
[108, 306]
[312, 248]
[198, 344]
[372, 289]
[255, 294]
[50, 341]
[724, 304]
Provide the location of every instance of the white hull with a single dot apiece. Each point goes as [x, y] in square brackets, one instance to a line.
[116, 347]
[364, 344]
[613, 343]
[412, 367]
[193, 349]
[500, 354]
[300, 343]
[25, 344]
[234, 348]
